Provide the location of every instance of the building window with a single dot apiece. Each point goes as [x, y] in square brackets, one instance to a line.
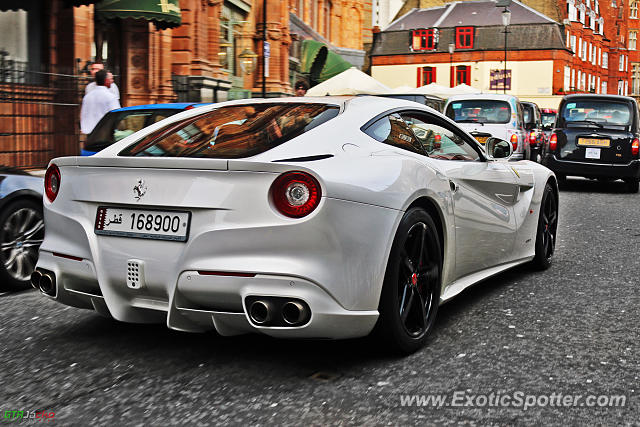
[605, 60]
[424, 39]
[573, 44]
[592, 20]
[635, 79]
[572, 12]
[583, 81]
[580, 48]
[573, 79]
[597, 6]
[633, 37]
[567, 78]
[621, 63]
[604, 88]
[426, 75]
[583, 13]
[598, 86]
[464, 38]
[584, 51]
[633, 10]
[462, 75]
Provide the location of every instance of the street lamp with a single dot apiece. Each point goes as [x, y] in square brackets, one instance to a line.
[452, 48]
[506, 19]
[248, 61]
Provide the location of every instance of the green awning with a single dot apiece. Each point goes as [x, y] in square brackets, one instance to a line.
[320, 62]
[163, 13]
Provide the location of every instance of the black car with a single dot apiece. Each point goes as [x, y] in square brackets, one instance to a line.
[21, 226]
[596, 136]
[532, 118]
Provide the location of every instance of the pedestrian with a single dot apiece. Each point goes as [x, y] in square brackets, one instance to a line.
[96, 103]
[93, 69]
[301, 87]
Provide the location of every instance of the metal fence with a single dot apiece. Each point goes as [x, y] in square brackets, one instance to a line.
[39, 113]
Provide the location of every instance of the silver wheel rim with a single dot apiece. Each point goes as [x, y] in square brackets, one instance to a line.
[22, 235]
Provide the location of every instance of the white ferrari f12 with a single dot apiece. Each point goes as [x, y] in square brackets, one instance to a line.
[299, 217]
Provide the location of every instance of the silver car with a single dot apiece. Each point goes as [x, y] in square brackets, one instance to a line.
[485, 115]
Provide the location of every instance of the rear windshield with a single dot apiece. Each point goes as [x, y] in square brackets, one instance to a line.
[119, 124]
[233, 132]
[479, 110]
[548, 119]
[596, 111]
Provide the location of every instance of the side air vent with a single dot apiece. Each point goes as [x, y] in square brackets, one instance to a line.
[306, 159]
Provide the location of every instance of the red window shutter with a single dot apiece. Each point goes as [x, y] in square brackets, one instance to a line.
[468, 76]
[452, 77]
[433, 75]
[419, 83]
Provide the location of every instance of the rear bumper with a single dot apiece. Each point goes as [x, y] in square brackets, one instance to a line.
[208, 302]
[592, 170]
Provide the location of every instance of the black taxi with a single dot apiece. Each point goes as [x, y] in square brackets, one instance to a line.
[596, 136]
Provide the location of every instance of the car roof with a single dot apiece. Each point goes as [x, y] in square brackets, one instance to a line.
[490, 96]
[166, 106]
[597, 95]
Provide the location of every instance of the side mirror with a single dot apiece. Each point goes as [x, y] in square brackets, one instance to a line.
[497, 148]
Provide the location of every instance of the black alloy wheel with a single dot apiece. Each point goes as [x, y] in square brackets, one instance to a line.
[21, 234]
[411, 290]
[547, 228]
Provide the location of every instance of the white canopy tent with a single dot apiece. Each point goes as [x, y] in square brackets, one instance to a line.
[349, 82]
[443, 91]
[403, 89]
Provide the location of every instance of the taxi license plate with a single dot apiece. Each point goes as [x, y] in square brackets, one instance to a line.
[592, 153]
[594, 142]
[482, 139]
[143, 223]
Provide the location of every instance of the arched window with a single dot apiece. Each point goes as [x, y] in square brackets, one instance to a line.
[633, 12]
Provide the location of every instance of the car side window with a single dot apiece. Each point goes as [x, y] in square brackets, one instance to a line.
[394, 131]
[440, 142]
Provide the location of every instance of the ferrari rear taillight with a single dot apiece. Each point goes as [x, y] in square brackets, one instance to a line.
[532, 138]
[635, 146]
[553, 142]
[52, 182]
[295, 194]
[514, 141]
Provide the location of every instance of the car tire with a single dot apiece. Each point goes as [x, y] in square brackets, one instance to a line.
[21, 233]
[547, 228]
[411, 291]
[632, 185]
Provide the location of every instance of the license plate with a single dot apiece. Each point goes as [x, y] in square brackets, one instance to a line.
[143, 223]
[594, 142]
[592, 153]
[482, 139]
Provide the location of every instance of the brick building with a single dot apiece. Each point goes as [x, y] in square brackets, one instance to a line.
[159, 51]
[579, 47]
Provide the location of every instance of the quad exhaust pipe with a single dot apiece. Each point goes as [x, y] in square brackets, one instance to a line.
[45, 281]
[294, 313]
[277, 311]
[261, 312]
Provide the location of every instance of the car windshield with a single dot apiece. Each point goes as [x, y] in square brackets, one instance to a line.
[479, 110]
[597, 112]
[234, 131]
[119, 124]
[527, 113]
[548, 119]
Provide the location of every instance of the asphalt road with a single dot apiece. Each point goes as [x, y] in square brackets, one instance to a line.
[571, 330]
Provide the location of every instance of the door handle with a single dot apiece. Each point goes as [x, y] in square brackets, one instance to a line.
[453, 185]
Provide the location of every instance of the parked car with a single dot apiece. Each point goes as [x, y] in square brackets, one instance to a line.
[548, 121]
[485, 115]
[292, 217]
[432, 101]
[21, 226]
[532, 118]
[122, 122]
[596, 136]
